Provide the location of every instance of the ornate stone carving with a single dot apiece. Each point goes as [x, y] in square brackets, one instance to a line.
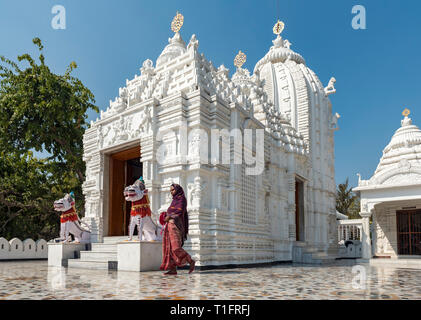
[194, 144]
[334, 121]
[145, 125]
[403, 179]
[197, 191]
[193, 44]
[147, 68]
[100, 136]
[330, 89]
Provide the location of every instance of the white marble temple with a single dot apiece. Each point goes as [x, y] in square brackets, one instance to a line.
[235, 218]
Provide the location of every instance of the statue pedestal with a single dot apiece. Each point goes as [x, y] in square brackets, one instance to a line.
[139, 255]
[59, 253]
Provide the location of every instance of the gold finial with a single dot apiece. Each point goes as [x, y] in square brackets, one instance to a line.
[278, 27]
[177, 22]
[240, 59]
[406, 112]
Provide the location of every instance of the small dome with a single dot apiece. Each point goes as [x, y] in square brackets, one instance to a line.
[176, 47]
[289, 84]
[404, 147]
[279, 52]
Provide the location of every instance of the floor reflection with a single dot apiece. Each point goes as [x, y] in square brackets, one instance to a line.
[35, 280]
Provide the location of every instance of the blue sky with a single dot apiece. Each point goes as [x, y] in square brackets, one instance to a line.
[377, 69]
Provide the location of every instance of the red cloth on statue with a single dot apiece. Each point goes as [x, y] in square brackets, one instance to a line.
[69, 215]
[141, 207]
[173, 255]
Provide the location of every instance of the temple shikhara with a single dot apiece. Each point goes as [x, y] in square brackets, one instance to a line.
[285, 213]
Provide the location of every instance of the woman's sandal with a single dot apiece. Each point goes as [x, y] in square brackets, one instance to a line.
[170, 273]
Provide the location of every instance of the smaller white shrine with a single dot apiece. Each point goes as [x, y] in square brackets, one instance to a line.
[392, 197]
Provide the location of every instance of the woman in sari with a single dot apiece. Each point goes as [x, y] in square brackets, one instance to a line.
[176, 229]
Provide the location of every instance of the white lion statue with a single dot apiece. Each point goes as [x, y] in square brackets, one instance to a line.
[140, 213]
[70, 222]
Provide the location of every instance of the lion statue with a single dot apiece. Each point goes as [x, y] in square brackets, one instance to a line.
[140, 213]
[70, 222]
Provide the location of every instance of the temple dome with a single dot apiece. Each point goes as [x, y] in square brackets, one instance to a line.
[176, 47]
[279, 52]
[404, 147]
[290, 85]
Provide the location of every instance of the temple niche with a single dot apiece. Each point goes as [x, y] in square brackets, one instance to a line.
[160, 127]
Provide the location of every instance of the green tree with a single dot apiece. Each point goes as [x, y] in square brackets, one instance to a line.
[45, 112]
[347, 202]
[25, 197]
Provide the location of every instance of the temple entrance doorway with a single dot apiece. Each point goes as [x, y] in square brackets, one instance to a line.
[299, 210]
[409, 232]
[125, 169]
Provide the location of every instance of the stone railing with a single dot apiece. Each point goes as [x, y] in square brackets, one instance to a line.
[349, 238]
[349, 229]
[16, 249]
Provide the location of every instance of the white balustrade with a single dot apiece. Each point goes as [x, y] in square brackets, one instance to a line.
[15, 249]
[350, 231]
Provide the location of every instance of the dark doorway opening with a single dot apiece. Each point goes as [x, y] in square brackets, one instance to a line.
[125, 169]
[409, 232]
[299, 211]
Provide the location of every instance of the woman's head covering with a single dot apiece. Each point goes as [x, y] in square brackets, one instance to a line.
[179, 192]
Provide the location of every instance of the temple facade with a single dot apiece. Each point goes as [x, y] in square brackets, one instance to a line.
[391, 198]
[161, 126]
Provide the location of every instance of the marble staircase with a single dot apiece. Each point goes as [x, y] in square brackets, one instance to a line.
[304, 253]
[102, 256]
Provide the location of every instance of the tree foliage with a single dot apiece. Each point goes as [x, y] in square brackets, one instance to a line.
[45, 112]
[347, 202]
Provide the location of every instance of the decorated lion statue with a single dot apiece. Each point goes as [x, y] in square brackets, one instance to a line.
[140, 213]
[70, 222]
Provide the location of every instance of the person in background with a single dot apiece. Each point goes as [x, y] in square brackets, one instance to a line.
[176, 228]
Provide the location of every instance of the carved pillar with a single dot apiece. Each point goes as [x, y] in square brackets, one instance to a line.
[366, 240]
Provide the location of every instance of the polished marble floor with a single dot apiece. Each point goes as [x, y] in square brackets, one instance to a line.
[35, 280]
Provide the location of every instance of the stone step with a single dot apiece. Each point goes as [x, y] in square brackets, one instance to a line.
[300, 244]
[107, 247]
[327, 260]
[98, 256]
[308, 259]
[113, 240]
[320, 255]
[96, 265]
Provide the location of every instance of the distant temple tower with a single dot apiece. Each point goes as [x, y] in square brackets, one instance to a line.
[392, 197]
